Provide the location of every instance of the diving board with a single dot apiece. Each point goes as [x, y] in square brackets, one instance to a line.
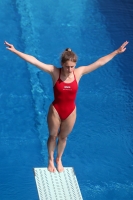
[57, 186]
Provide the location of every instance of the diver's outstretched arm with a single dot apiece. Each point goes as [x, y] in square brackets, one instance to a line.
[31, 59]
[102, 61]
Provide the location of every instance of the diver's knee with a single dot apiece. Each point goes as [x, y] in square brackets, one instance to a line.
[53, 137]
[62, 139]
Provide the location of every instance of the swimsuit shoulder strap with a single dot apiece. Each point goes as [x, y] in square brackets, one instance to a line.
[59, 72]
[75, 78]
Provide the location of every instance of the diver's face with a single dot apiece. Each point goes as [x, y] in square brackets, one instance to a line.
[69, 66]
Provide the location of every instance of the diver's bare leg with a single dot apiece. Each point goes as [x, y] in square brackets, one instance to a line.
[65, 129]
[53, 125]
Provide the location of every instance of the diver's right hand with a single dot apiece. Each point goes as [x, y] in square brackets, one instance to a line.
[9, 46]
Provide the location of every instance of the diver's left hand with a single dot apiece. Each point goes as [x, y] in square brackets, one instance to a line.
[122, 48]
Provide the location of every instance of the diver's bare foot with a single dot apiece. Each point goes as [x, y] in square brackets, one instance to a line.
[60, 167]
[51, 166]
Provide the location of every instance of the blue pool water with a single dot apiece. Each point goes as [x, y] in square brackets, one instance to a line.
[100, 147]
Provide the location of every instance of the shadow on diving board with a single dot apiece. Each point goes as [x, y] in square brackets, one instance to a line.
[57, 186]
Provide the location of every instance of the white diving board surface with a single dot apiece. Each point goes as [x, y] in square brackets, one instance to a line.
[57, 186]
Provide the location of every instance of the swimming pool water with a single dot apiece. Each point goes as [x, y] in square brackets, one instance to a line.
[100, 147]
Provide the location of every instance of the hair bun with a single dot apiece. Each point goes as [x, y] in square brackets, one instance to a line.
[68, 49]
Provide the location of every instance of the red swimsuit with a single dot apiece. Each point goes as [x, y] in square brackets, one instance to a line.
[64, 94]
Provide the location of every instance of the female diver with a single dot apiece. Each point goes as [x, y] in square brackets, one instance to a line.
[62, 112]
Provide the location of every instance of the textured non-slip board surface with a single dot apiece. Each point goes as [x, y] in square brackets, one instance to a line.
[57, 186]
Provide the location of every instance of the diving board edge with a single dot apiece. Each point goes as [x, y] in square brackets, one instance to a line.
[57, 186]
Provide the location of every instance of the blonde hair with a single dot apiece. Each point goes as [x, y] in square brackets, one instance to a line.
[68, 55]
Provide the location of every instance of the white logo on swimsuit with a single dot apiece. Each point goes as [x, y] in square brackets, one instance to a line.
[66, 87]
